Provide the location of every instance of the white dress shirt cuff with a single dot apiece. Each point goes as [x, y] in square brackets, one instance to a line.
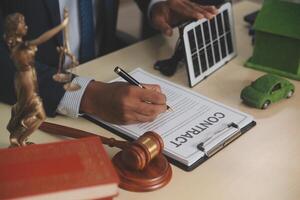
[152, 2]
[70, 103]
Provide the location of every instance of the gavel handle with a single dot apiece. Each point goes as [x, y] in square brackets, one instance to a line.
[61, 130]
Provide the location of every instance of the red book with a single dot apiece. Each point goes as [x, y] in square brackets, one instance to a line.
[72, 169]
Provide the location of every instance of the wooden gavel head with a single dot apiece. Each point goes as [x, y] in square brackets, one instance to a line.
[139, 153]
[141, 165]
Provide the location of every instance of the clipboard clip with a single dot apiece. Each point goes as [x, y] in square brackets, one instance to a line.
[222, 143]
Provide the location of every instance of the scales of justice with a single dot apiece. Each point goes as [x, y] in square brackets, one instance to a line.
[28, 112]
[141, 165]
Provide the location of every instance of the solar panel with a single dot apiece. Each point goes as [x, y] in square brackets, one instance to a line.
[209, 44]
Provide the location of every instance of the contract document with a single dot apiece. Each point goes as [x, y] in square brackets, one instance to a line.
[196, 127]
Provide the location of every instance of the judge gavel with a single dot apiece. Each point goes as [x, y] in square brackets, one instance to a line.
[135, 155]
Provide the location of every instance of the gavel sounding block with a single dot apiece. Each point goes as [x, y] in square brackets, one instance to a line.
[155, 175]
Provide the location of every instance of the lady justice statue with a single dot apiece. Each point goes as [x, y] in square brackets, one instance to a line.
[28, 112]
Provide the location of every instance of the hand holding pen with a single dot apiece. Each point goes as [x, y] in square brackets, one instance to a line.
[131, 80]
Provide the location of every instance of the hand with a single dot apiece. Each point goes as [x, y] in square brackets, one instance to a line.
[164, 15]
[121, 103]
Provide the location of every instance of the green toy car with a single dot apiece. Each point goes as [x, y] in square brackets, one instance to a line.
[267, 89]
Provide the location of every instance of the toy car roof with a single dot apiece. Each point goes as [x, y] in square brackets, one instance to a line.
[266, 82]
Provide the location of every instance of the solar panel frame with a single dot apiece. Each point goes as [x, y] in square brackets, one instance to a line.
[195, 78]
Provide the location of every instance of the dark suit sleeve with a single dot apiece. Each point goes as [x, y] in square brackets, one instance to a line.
[50, 91]
[143, 5]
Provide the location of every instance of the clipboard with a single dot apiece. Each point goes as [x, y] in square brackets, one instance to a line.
[239, 132]
[211, 152]
[219, 124]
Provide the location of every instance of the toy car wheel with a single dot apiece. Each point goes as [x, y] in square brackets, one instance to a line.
[266, 104]
[290, 94]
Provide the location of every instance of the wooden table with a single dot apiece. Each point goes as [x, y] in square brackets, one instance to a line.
[262, 164]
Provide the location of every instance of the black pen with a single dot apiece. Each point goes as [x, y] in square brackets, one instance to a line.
[130, 79]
